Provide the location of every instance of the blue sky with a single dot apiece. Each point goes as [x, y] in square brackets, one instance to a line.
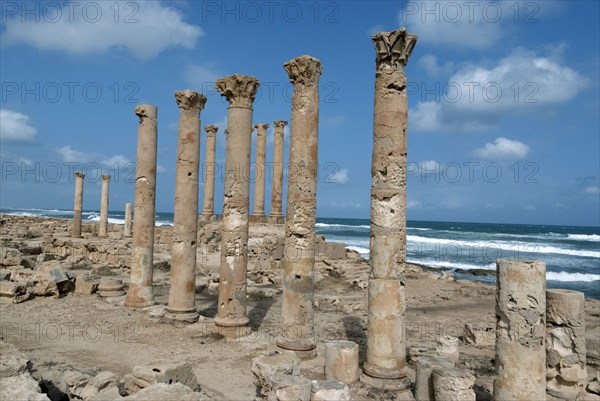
[503, 99]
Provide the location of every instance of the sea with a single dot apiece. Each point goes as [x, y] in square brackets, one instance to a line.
[571, 253]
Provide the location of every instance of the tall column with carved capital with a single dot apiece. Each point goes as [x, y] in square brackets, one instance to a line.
[182, 294]
[78, 205]
[240, 91]
[209, 172]
[259, 183]
[297, 315]
[277, 188]
[104, 207]
[140, 293]
[386, 343]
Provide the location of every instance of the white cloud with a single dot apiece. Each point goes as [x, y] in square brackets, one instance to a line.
[345, 205]
[462, 25]
[414, 204]
[502, 149]
[15, 127]
[375, 29]
[339, 177]
[429, 166]
[333, 120]
[591, 190]
[70, 155]
[477, 97]
[160, 169]
[146, 28]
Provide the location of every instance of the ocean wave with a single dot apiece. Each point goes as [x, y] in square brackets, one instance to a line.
[570, 277]
[419, 228]
[326, 225]
[584, 237]
[454, 265]
[520, 247]
[363, 251]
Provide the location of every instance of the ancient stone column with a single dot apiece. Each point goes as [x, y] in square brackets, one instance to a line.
[259, 183]
[128, 220]
[231, 320]
[78, 207]
[277, 187]
[386, 343]
[209, 171]
[297, 314]
[454, 384]
[566, 373]
[104, 207]
[520, 330]
[140, 293]
[341, 361]
[182, 293]
[423, 379]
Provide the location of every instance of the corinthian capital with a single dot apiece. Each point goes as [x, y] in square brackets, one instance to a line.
[189, 99]
[211, 130]
[304, 70]
[393, 48]
[261, 128]
[280, 123]
[240, 90]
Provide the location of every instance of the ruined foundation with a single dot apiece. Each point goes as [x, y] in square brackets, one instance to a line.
[386, 343]
[232, 320]
[182, 293]
[297, 314]
[520, 330]
[140, 293]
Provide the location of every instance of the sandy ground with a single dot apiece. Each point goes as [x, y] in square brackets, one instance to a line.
[90, 334]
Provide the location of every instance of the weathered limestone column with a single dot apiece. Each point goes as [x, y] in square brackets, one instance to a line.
[277, 187]
[566, 373]
[297, 314]
[182, 293]
[78, 207]
[259, 183]
[454, 384]
[209, 171]
[423, 379]
[128, 220]
[231, 320]
[386, 343]
[520, 330]
[104, 207]
[341, 361]
[140, 293]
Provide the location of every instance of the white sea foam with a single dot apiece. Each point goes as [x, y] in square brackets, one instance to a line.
[325, 225]
[584, 237]
[570, 277]
[524, 248]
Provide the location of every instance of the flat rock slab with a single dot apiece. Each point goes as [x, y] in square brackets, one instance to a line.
[21, 387]
[12, 361]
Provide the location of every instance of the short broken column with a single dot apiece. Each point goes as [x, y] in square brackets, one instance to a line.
[141, 293]
[423, 375]
[102, 230]
[77, 208]
[566, 373]
[341, 361]
[208, 209]
[259, 182]
[287, 387]
[128, 220]
[453, 384]
[385, 365]
[297, 313]
[277, 187]
[329, 390]
[232, 320]
[182, 292]
[520, 330]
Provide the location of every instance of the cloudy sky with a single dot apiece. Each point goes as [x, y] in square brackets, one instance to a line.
[503, 97]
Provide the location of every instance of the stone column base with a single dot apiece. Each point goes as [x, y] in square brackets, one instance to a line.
[233, 332]
[275, 220]
[190, 316]
[398, 384]
[304, 350]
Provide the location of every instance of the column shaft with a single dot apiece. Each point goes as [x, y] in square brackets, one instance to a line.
[78, 205]
[297, 315]
[259, 183]
[386, 343]
[102, 231]
[209, 171]
[140, 292]
[277, 187]
[182, 293]
[520, 330]
[231, 320]
[128, 220]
